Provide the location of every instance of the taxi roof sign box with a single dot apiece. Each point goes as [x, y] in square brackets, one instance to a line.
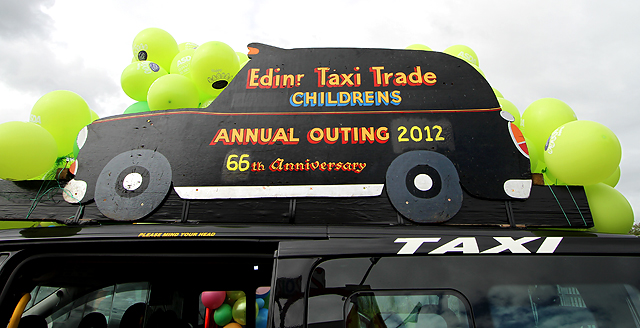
[297, 133]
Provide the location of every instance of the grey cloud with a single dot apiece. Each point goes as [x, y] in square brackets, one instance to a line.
[32, 66]
[29, 62]
[24, 18]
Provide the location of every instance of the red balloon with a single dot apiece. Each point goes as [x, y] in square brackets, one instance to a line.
[213, 299]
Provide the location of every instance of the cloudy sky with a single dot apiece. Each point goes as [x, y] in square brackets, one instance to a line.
[585, 53]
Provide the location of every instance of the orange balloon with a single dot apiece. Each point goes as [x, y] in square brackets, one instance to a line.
[233, 325]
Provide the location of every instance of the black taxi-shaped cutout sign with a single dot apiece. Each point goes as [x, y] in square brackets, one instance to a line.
[332, 122]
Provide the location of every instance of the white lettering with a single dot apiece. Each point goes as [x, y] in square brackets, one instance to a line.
[140, 46]
[549, 245]
[35, 119]
[469, 246]
[183, 60]
[507, 243]
[412, 244]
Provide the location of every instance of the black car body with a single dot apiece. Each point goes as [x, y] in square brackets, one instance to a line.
[321, 276]
[316, 123]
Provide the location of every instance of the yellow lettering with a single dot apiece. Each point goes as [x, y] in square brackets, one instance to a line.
[279, 136]
[252, 82]
[334, 80]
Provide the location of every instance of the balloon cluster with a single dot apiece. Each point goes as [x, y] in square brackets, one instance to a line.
[568, 151]
[166, 75]
[35, 149]
[229, 309]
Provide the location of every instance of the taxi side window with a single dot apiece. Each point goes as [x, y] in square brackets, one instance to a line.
[39, 293]
[343, 294]
[500, 291]
[407, 309]
[563, 305]
[105, 307]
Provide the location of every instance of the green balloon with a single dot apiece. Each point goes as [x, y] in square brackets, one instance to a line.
[582, 153]
[156, 45]
[63, 113]
[137, 107]
[213, 65]
[543, 116]
[222, 315]
[511, 108]
[463, 52]
[28, 150]
[173, 91]
[613, 179]
[181, 63]
[418, 46]
[610, 210]
[138, 76]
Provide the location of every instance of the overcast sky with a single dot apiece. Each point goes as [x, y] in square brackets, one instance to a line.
[585, 53]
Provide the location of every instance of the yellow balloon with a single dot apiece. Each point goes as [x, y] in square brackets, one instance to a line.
[535, 155]
[610, 210]
[207, 102]
[28, 150]
[213, 65]
[94, 115]
[418, 46]
[243, 59]
[181, 63]
[239, 311]
[187, 45]
[137, 77]
[613, 179]
[63, 113]
[156, 45]
[172, 91]
[463, 52]
[233, 325]
[498, 94]
[582, 153]
[550, 179]
[543, 116]
[234, 295]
